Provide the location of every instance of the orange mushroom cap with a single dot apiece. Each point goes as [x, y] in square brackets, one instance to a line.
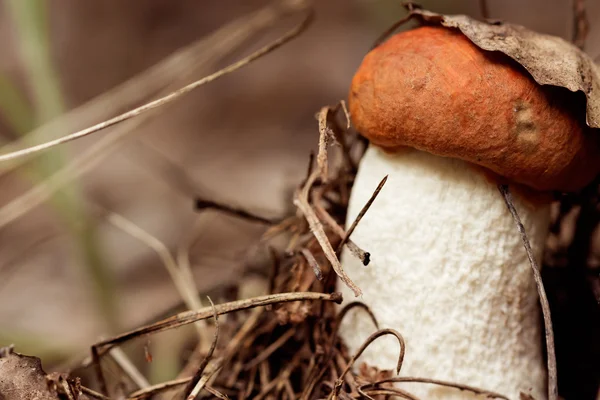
[432, 89]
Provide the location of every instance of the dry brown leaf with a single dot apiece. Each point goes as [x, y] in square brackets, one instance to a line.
[549, 59]
[22, 378]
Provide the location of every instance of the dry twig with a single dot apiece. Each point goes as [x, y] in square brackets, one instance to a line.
[163, 100]
[363, 389]
[550, 347]
[178, 69]
[194, 387]
[360, 215]
[202, 204]
[363, 347]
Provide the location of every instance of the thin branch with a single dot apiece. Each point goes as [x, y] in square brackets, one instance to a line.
[340, 135]
[363, 347]
[238, 340]
[204, 380]
[182, 63]
[325, 136]
[333, 225]
[371, 339]
[360, 215]
[301, 201]
[215, 393]
[266, 353]
[178, 68]
[202, 204]
[127, 366]
[155, 389]
[185, 273]
[194, 387]
[185, 287]
[189, 317]
[355, 304]
[334, 338]
[93, 394]
[477, 391]
[389, 392]
[310, 258]
[551, 350]
[346, 113]
[389, 31]
[166, 99]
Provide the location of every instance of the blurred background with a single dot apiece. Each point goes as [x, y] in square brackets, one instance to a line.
[73, 264]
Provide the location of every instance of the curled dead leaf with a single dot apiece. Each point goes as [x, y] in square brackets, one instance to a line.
[549, 59]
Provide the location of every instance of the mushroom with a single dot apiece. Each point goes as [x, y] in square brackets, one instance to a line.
[447, 122]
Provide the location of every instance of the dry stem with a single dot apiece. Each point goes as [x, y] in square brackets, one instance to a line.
[550, 347]
[163, 100]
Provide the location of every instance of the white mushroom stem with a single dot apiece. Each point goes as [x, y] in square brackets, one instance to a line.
[450, 273]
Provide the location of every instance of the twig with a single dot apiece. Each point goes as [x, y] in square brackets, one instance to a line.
[184, 285]
[350, 306]
[301, 201]
[215, 392]
[342, 364]
[371, 339]
[309, 168]
[346, 113]
[179, 67]
[310, 258]
[237, 341]
[204, 381]
[458, 386]
[367, 343]
[340, 135]
[166, 99]
[128, 368]
[250, 387]
[325, 136]
[194, 387]
[184, 269]
[202, 204]
[388, 32]
[266, 389]
[153, 80]
[189, 317]
[93, 394]
[550, 347]
[337, 229]
[389, 392]
[334, 338]
[360, 215]
[266, 353]
[63, 383]
[155, 389]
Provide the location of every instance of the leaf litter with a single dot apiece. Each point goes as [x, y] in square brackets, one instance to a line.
[298, 320]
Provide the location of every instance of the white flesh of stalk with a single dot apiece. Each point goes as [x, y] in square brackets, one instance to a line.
[449, 272]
